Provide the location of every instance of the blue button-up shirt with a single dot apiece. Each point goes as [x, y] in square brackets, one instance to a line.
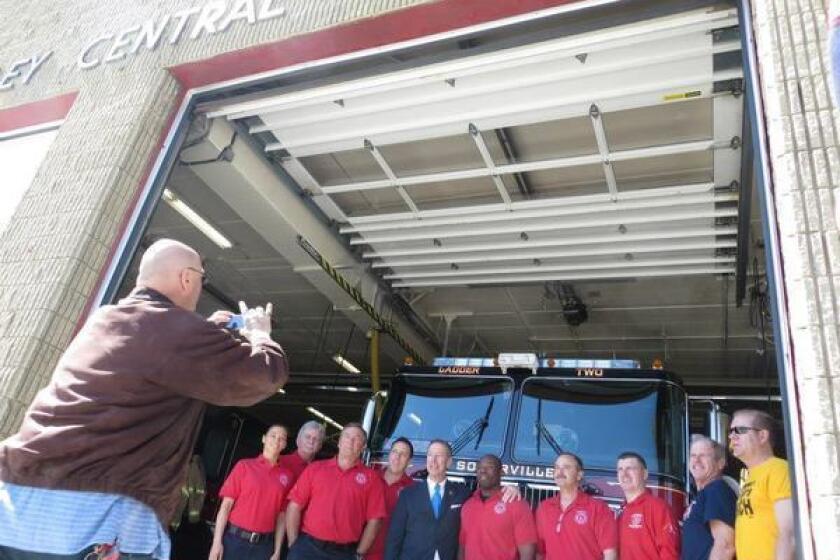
[68, 522]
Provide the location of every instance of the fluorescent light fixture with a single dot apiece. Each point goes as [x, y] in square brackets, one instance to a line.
[339, 388]
[323, 417]
[195, 219]
[414, 418]
[342, 361]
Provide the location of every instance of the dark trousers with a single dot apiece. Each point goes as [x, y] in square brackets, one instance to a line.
[237, 548]
[7, 553]
[307, 549]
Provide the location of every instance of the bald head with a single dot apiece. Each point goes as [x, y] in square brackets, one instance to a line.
[173, 269]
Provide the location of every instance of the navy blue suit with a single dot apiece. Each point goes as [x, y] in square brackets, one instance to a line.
[415, 534]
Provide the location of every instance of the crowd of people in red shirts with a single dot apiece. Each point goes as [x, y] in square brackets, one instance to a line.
[341, 509]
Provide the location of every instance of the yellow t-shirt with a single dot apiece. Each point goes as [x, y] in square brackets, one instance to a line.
[755, 526]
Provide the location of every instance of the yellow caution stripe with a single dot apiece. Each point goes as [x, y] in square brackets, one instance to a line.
[682, 95]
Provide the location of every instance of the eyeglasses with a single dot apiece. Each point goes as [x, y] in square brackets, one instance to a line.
[202, 273]
[741, 430]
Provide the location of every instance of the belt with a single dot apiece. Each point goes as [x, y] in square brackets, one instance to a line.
[333, 546]
[249, 536]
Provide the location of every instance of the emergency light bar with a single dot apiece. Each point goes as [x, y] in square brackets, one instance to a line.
[570, 363]
[463, 362]
[579, 363]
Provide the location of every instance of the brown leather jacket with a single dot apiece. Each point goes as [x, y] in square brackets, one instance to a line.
[124, 407]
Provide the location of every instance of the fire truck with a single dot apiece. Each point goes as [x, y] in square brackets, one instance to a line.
[527, 410]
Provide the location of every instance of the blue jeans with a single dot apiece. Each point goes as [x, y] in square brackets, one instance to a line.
[237, 548]
[7, 553]
[306, 549]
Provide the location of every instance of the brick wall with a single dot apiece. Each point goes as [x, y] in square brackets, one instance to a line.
[801, 121]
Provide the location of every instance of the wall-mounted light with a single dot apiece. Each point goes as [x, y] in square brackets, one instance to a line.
[195, 219]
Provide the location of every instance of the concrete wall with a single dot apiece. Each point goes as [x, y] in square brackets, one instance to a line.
[57, 243]
[791, 40]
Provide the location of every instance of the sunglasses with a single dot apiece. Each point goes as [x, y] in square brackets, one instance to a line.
[741, 430]
[202, 273]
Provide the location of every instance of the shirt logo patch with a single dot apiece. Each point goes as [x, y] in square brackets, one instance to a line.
[361, 478]
[500, 508]
[636, 521]
[284, 479]
[581, 517]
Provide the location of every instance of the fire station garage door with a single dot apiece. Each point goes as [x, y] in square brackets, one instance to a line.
[575, 191]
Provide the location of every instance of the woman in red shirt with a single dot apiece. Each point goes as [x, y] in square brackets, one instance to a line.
[250, 522]
[395, 480]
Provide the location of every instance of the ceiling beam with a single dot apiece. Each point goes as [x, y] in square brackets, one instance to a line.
[549, 210]
[590, 275]
[272, 205]
[678, 232]
[494, 230]
[386, 168]
[495, 208]
[524, 167]
[588, 251]
[475, 134]
[500, 273]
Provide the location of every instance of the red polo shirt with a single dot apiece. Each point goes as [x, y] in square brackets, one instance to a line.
[338, 503]
[647, 530]
[583, 531]
[293, 462]
[392, 494]
[258, 490]
[492, 529]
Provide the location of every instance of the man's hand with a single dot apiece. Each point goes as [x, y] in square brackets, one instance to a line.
[257, 322]
[275, 556]
[220, 317]
[216, 552]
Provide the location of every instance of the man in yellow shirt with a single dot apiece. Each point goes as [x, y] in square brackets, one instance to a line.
[764, 523]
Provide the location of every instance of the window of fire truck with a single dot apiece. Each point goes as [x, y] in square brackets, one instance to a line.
[598, 419]
[469, 412]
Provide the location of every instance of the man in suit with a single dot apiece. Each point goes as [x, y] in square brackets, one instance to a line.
[427, 519]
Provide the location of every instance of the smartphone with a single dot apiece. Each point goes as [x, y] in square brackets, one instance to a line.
[236, 322]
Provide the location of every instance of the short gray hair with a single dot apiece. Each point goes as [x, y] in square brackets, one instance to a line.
[313, 425]
[717, 449]
[441, 442]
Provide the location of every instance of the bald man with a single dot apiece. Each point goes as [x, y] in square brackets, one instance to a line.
[103, 450]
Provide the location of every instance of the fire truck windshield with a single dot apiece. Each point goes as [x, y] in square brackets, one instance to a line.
[599, 419]
[471, 413]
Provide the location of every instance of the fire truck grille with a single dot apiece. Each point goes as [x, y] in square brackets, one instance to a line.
[536, 493]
